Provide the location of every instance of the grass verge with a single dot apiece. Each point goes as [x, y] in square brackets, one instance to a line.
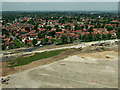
[18, 43]
[37, 56]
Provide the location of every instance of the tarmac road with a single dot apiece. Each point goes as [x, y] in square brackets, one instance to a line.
[67, 47]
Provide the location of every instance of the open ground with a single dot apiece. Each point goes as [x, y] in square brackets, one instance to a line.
[91, 67]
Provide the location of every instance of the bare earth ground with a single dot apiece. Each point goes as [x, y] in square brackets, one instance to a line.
[89, 68]
[56, 46]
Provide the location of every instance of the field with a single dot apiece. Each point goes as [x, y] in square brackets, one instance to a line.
[37, 56]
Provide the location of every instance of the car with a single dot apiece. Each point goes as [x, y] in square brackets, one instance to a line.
[41, 45]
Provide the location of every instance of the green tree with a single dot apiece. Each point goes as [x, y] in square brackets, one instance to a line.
[34, 42]
[41, 35]
[64, 39]
[44, 41]
[90, 29]
[27, 29]
[98, 37]
[118, 33]
[56, 26]
[4, 31]
[36, 27]
[86, 26]
[25, 42]
[109, 36]
[90, 37]
[52, 33]
[104, 37]
[48, 27]
[80, 36]
[109, 27]
[85, 38]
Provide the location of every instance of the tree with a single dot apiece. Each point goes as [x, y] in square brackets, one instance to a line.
[109, 36]
[56, 26]
[3, 47]
[64, 39]
[4, 31]
[90, 29]
[85, 38]
[67, 26]
[58, 30]
[90, 36]
[71, 39]
[59, 42]
[36, 27]
[34, 42]
[52, 33]
[80, 36]
[48, 27]
[25, 42]
[118, 33]
[62, 21]
[97, 37]
[31, 22]
[27, 29]
[109, 27]
[104, 37]
[117, 24]
[86, 26]
[76, 27]
[82, 27]
[41, 35]
[103, 25]
[44, 41]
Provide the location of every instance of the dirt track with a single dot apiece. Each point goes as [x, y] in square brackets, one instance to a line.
[81, 70]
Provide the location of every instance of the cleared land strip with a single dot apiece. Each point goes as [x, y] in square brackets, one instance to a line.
[76, 71]
[67, 47]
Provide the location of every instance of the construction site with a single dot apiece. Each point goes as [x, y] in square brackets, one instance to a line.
[92, 66]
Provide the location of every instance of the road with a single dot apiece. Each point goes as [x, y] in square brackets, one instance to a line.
[67, 47]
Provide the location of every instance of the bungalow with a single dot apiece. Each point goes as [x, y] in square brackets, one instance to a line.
[23, 31]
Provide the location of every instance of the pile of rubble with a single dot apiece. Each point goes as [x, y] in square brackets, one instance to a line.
[80, 48]
[5, 80]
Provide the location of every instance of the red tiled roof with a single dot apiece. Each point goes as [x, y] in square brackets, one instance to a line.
[14, 31]
[100, 33]
[17, 34]
[23, 30]
[83, 33]
[9, 43]
[108, 24]
[40, 39]
[4, 36]
[65, 34]
[87, 32]
[29, 40]
[50, 38]
[7, 39]
[94, 32]
[34, 34]
[72, 33]
[59, 32]
[76, 35]
[32, 31]
[84, 29]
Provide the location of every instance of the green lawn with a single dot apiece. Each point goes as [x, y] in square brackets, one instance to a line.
[37, 56]
[18, 43]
